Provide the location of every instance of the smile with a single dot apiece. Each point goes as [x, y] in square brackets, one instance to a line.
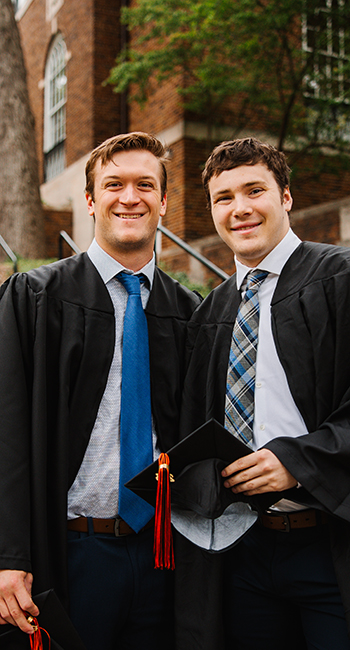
[129, 216]
[247, 227]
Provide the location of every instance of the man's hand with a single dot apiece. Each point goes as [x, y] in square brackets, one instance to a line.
[15, 599]
[257, 473]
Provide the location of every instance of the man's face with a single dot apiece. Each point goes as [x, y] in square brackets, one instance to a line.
[248, 211]
[127, 205]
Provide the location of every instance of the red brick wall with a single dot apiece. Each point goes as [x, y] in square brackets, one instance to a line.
[198, 218]
[92, 36]
[320, 224]
[175, 215]
[106, 120]
[54, 222]
[161, 111]
[318, 179]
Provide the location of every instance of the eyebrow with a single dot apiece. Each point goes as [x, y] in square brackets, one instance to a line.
[244, 185]
[119, 176]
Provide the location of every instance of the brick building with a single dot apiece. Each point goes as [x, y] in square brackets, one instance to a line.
[69, 47]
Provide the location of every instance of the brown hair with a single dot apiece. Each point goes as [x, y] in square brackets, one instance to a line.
[125, 142]
[246, 151]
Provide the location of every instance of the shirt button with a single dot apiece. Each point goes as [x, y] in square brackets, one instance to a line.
[262, 427]
[258, 384]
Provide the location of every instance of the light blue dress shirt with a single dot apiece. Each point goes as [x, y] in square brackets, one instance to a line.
[95, 491]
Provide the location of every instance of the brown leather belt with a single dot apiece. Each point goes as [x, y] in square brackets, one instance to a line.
[284, 522]
[117, 527]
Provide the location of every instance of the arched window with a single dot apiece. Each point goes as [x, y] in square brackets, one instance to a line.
[55, 109]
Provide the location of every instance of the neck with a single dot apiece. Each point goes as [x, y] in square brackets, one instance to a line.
[133, 260]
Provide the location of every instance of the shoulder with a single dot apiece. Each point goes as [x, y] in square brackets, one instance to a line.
[73, 279]
[311, 264]
[318, 260]
[53, 275]
[326, 255]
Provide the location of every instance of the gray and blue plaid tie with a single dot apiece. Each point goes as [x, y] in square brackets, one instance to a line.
[240, 387]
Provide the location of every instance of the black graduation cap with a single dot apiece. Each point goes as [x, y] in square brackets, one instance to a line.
[196, 464]
[53, 618]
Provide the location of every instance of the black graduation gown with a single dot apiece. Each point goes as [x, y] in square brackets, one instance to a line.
[310, 313]
[57, 336]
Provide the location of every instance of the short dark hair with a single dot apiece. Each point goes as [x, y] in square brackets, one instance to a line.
[246, 151]
[126, 142]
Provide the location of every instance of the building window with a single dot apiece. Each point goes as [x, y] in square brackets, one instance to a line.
[326, 41]
[55, 109]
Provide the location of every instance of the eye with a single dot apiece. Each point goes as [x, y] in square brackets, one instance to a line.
[113, 184]
[256, 190]
[146, 185]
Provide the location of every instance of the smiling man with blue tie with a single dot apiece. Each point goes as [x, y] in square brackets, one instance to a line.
[96, 345]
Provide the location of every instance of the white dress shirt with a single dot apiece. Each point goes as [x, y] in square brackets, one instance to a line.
[95, 490]
[275, 412]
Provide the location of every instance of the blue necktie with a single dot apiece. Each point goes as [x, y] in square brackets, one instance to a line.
[136, 449]
[240, 388]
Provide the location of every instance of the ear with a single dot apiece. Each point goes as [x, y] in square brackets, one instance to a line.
[90, 204]
[163, 206]
[287, 199]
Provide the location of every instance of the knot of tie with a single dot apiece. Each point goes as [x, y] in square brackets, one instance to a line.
[132, 283]
[254, 280]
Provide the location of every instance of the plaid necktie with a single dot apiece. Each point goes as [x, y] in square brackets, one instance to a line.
[240, 387]
[136, 449]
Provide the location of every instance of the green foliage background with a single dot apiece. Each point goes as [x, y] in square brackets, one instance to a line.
[235, 60]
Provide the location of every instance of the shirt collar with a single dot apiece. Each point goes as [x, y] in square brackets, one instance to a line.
[108, 267]
[274, 261]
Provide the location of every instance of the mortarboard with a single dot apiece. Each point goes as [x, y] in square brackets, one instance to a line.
[203, 510]
[196, 463]
[53, 618]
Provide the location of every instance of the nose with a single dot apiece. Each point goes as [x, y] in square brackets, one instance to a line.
[129, 195]
[242, 207]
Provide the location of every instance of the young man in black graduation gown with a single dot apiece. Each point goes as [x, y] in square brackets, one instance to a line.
[276, 587]
[58, 328]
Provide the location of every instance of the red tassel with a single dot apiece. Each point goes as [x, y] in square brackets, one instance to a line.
[163, 540]
[36, 641]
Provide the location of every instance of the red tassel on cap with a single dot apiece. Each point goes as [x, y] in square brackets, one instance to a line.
[163, 539]
[36, 641]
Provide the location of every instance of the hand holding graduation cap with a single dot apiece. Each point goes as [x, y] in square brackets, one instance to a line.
[15, 599]
[257, 473]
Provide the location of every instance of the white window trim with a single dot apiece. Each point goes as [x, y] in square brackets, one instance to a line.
[21, 10]
[48, 110]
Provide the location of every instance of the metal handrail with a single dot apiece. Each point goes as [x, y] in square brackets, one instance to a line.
[186, 247]
[9, 254]
[64, 235]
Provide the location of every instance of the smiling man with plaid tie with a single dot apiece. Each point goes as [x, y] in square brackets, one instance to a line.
[270, 359]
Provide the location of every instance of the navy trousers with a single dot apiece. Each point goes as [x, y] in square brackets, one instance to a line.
[118, 601]
[281, 592]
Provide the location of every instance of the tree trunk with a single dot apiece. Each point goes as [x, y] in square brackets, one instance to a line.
[21, 213]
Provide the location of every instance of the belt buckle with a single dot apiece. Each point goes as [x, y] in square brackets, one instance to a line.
[117, 532]
[286, 523]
